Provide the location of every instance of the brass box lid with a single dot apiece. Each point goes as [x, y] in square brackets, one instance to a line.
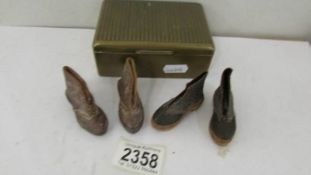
[152, 27]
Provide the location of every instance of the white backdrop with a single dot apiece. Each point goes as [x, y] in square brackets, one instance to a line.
[280, 19]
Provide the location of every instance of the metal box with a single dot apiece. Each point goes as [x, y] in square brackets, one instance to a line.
[166, 39]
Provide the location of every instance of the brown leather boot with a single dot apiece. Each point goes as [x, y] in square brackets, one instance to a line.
[223, 125]
[171, 112]
[131, 112]
[88, 114]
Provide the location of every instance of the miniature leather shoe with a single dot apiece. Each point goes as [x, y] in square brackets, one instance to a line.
[170, 113]
[131, 112]
[88, 114]
[222, 125]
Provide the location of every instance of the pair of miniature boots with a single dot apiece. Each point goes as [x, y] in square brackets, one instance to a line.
[131, 114]
[222, 125]
[90, 116]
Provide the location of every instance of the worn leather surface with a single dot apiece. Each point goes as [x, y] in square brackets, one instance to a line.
[131, 112]
[187, 101]
[223, 122]
[88, 114]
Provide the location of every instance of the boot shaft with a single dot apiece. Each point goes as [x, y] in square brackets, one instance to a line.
[192, 94]
[127, 85]
[223, 99]
[194, 89]
[77, 91]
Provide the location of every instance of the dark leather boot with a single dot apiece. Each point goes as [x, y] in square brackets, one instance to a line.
[131, 111]
[88, 114]
[223, 125]
[190, 99]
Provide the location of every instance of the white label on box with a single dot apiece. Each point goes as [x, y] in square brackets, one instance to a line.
[175, 68]
[139, 158]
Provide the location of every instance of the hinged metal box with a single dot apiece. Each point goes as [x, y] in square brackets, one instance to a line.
[166, 39]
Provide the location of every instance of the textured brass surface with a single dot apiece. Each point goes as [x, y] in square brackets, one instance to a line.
[153, 33]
